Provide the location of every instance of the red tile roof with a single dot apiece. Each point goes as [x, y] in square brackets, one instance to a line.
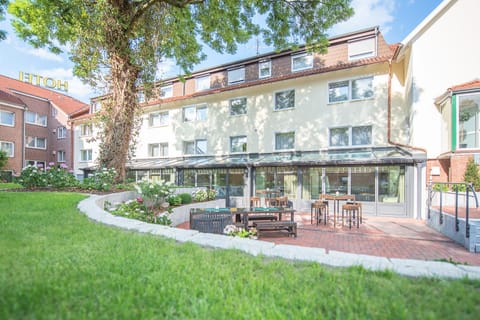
[475, 84]
[9, 98]
[66, 103]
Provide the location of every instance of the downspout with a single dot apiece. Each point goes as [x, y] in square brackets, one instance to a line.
[23, 138]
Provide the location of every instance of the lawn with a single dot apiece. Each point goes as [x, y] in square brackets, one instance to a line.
[57, 264]
[9, 185]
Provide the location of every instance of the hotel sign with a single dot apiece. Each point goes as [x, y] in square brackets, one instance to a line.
[42, 81]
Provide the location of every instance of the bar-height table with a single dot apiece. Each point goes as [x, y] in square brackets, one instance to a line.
[336, 203]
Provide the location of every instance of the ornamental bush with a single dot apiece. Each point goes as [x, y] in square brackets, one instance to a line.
[33, 177]
[56, 176]
[102, 180]
[154, 193]
[186, 198]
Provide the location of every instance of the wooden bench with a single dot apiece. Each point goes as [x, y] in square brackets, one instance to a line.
[289, 226]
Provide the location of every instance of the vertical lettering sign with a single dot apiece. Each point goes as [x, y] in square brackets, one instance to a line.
[46, 82]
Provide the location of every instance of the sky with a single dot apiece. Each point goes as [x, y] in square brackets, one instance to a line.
[396, 19]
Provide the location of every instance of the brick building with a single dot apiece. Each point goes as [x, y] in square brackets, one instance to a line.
[35, 124]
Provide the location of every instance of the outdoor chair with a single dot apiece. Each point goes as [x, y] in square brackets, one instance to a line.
[319, 210]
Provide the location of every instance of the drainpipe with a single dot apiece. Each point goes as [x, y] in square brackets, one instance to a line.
[23, 138]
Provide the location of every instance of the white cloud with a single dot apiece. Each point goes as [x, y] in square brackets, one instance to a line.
[368, 13]
[43, 54]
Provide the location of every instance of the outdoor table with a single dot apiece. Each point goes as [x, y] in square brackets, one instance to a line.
[336, 203]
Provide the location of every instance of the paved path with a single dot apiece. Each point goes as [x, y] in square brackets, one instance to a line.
[283, 248]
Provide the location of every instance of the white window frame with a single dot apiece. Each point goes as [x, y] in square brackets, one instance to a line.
[166, 91]
[350, 89]
[202, 83]
[161, 147]
[195, 146]
[237, 99]
[162, 115]
[308, 57]
[13, 118]
[35, 139]
[350, 136]
[61, 155]
[232, 138]
[12, 154]
[140, 96]
[88, 153]
[36, 163]
[61, 132]
[236, 75]
[275, 100]
[38, 119]
[96, 106]
[283, 133]
[195, 112]
[84, 132]
[264, 63]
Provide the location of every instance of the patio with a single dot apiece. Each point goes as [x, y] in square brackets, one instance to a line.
[378, 236]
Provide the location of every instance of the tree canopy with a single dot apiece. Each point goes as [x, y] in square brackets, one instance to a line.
[3, 4]
[123, 41]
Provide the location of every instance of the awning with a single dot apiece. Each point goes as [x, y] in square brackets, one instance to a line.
[350, 157]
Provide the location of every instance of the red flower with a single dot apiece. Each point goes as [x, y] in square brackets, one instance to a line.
[139, 200]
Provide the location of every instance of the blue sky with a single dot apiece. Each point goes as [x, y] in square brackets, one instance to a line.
[396, 18]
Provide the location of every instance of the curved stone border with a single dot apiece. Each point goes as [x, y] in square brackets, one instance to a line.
[93, 205]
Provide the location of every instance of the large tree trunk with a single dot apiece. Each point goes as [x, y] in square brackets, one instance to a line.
[120, 109]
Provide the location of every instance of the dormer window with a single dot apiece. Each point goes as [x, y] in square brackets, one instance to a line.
[236, 75]
[363, 48]
[202, 83]
[96, 106]
[264, 69]
[140, 97]
[302, 61]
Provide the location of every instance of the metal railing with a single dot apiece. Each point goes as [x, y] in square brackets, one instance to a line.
[443, 187]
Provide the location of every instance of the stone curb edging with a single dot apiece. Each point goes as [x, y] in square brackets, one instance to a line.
[406, 267]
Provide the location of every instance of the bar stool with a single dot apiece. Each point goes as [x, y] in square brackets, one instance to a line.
[281, 202]
[319, 209]
[353, 212]
[254, 202]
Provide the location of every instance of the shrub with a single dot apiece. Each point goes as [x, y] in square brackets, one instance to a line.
[472, 175]
[174, 200]
[440, 187]
[154, 192]
[186, 198]
[33, 177]
[102, 180]
[459, 187]
[211, 194]
[136, 209]
[58, 176]
[200, 195]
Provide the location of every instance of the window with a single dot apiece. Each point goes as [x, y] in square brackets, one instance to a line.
[8, 147]
[35, 118]
[264, 69]
[351, 136]
[302, 61]
[238, 144]
[36, 142]
[35, 163]
[202, 83]
[85, 130]
[469, 121]
[60, 156]
[236, 75]
[166, 91]
[285, 100]
[140, 97]
[193, 113]
[285, 141]
[159, 119]
[198, 146]
[61, 132]
[362, 49]
[7, 118]
[96, 106]
[158, 150]
[54, 112]
[350, 90]
[86, 155]
[238, 106]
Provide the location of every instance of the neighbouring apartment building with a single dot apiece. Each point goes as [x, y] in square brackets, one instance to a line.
[35, 125]
[367, 118]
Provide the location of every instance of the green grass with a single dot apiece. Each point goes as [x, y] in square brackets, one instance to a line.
[10, 185]
[57, 264]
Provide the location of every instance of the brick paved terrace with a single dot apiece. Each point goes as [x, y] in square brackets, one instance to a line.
[378, 236]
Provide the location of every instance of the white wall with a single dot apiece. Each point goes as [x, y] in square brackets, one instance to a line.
[445, 54]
